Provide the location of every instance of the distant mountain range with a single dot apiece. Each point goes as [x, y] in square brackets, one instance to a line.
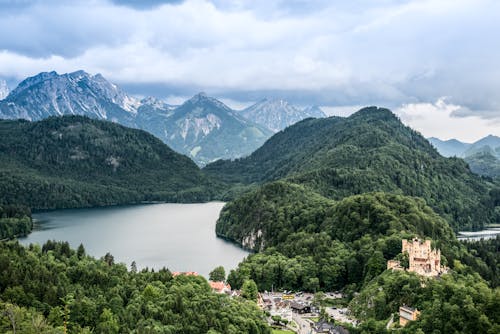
[483, 156]
[203, 128]
[276, 114]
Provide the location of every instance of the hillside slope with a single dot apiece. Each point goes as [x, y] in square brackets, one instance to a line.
[368, 151]
[74, 161]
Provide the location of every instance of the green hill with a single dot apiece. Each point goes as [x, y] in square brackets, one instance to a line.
[368, 151]
[74, 161]
[55, 289]
[484, 163]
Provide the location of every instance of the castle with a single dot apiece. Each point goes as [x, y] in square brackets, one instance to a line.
[422, 259]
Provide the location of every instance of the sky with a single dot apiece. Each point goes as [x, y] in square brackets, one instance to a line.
[434, 63]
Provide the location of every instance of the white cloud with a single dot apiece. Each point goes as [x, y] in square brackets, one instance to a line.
[341, 53]
[437, 120]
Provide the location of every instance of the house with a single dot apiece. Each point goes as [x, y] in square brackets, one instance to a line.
[300, 308]
[185, 273]
[220, 287]
[323, 326]
[407, 314]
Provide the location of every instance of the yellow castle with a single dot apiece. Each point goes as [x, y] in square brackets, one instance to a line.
[422, 259]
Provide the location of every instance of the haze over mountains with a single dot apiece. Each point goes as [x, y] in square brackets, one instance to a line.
[483, 156]
[203, 128]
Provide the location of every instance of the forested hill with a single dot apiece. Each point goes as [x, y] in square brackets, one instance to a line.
[74, 161]
[369, 151]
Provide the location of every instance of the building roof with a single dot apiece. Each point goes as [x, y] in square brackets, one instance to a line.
[323, 325]
[298, 306]
[219, 286]
[185, 273]
[408, 308]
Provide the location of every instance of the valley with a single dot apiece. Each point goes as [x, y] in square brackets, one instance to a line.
[322, 205]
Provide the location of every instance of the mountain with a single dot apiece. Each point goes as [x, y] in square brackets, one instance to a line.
[206, 130]
[449, 148]
[78, 93]
[369, 151]
[454, 147]
[483, 156]
[4, 89]
[484, 163]
[75, 161]
[202, 128]
[492, 141]
[276, 114]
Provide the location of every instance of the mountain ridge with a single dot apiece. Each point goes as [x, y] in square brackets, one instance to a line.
[277, 114]
[76, 161]
[79, 93]
[369, 151]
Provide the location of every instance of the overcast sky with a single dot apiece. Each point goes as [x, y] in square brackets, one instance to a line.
[435, 63]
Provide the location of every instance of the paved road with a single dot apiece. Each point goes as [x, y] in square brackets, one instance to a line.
[304, 327]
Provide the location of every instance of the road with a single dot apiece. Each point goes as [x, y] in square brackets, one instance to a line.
[304, 325]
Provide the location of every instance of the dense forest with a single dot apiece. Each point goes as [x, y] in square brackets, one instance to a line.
[56, 287]
[460, 302]
[73, 161]
[15, 221]
[308, 242]
[368, 151]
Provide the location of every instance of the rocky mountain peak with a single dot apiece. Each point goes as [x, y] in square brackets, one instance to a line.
[4, 89]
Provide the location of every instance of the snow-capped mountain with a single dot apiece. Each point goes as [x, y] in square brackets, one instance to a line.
[78, 93]
[276, 114]
[203, 128]
[206, 129]
[313, 111]
[4, 89]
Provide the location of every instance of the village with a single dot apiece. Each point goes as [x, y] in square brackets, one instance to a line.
[310, 313]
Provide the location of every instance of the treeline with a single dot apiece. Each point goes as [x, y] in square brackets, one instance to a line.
[58, 287]
[15, 220]
[489, 252]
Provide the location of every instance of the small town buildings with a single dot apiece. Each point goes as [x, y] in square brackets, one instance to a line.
[323, 326]
[407, 314]
[300, 308]
[220, 287]
[422, 259]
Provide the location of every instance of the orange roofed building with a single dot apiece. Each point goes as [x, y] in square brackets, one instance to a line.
[220, 287]
[407, 314]
[185, 273]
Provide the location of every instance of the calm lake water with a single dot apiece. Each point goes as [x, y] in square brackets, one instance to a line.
[180, 237]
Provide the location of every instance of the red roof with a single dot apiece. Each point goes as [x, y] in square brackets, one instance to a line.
[219, 286]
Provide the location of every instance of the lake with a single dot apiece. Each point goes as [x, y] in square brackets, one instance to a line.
[180, 237]
[489, 233]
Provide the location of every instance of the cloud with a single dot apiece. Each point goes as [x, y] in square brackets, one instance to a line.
[437, 120]
[330, 53]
